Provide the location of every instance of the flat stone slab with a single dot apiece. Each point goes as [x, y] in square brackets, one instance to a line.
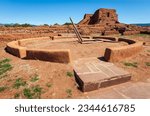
[92, 74]
[129, 90]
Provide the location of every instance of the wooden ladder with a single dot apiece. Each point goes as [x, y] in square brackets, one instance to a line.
[76, 32]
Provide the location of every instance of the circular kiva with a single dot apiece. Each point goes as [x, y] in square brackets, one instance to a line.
[63, 55]
[59, 55]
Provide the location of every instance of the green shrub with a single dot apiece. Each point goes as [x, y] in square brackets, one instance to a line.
[37, 89]
[18, 83]
[147, 63]
[28, 93]
[67, 23]
[49, 85]
[3, 88]
[17, 95]
[133, 64]
[33, 92]
[34, 78]
[6, 60]
[69, 92]
[19, 25]
[69, 74]
[5, 66]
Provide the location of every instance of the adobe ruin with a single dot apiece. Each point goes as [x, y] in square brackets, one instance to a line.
[102, 22]
[101, 16]
[105, 22]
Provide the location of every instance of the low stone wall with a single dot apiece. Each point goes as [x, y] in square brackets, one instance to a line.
[131, 32]
[108, 38]
[119, 53]
[111, 32]
[129, 41]
[145, 32]
[16, 50]
[60, 56]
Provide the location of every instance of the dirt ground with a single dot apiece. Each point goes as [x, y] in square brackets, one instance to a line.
[56, 80]
[85, 50]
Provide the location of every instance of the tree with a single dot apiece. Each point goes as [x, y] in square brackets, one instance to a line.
[67, 23]
[56, 24]
[46, 25]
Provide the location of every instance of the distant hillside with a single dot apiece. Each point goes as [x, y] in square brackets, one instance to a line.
[142, 24]
[1, 24]
[17, 25]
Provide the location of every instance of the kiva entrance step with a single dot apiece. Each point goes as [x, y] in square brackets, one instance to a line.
[92, 74]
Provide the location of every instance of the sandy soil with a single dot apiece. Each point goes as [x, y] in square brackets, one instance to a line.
[55, 74]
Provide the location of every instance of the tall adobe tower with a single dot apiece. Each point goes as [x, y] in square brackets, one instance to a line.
[102, 16]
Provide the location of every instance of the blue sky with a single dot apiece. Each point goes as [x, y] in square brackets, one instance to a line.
[59, 11]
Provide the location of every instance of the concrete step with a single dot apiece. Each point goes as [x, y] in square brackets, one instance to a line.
[92, 74]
